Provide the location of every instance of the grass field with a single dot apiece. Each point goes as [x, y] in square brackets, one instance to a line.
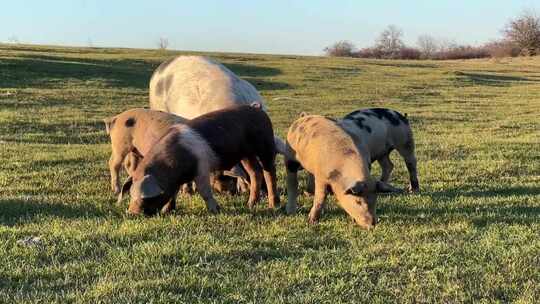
[471, 235]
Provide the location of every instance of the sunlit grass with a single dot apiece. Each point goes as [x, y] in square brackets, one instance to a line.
[471, 235]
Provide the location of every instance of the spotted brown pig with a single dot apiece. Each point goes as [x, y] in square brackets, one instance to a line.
[324, 149]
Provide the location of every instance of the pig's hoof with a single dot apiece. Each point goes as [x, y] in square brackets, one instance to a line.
[313, 221]
[289, 210]
[411, 190]
[251, 203]
[274, 203]
[215, 209]
[274, 206]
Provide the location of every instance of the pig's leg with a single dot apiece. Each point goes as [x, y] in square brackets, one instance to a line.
[131, 162]
[241, 186]
[269, 172]
[414, 185]
[205, 190]
[253, 169]
[310, 184]
[292, 185]
[115, 164]
[386, 167]
[318, 201]
[407, 152]
[169, 206]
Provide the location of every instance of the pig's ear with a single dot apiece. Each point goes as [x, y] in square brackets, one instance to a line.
[125, 188]
[150, 187]
[383, 187]
[357, 189]
[109, 122]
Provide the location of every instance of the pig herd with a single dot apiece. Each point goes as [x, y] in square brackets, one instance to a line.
[207, 130]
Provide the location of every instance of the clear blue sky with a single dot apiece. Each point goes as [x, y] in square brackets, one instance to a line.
[256, 26]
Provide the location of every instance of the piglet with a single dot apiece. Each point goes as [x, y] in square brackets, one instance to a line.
[214, 141]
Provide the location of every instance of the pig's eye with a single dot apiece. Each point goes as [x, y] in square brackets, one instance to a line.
[361, 202]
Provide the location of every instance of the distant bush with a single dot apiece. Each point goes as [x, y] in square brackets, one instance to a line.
[461, 52]
[378, 53]
[448, 53]
[499, 49]
[370, 52]
[409, 53]
[342, 48]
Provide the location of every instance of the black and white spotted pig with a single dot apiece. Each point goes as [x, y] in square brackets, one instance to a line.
[381, 131]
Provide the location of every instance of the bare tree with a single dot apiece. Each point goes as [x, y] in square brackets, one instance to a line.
[389, 41]
[446, 44]
[342, 48]
[163, 43]
[428, 45]
[524, 31]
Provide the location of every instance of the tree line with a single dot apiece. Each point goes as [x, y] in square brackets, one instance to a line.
[521, 37]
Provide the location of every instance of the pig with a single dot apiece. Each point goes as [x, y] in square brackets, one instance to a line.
[320, 146]
[214, 141]
[134, 132]
[190, 86]
[379, 131]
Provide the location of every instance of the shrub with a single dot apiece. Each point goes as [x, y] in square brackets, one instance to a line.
[503, 48]
[409, 53]
[369, 52]
[342, 48]
[461, 52]
[378, 53]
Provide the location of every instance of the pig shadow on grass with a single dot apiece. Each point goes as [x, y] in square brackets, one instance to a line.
[258, 76]
[265, 85]
[402, 64]
[296, 245]
[55, 132]
[492, 80]
[481, 215]
[443, 209]
[263, 250]
[44, 71]
[18, 211]
[249, 70]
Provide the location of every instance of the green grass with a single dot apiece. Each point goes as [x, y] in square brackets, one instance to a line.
[471, 235]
